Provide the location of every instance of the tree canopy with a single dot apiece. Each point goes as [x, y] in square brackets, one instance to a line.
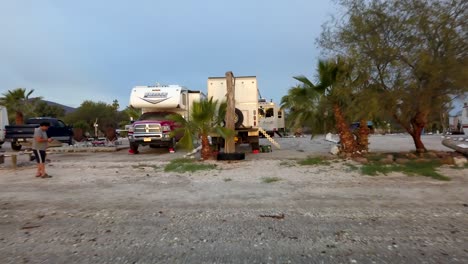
[18, 101]
[414, 51]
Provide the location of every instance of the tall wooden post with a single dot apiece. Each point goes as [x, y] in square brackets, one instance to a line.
[230, 145]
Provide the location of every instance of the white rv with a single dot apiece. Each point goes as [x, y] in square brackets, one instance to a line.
[270, 117]
[246, 103]
[464, 118]
[3, 123]
[157, 102]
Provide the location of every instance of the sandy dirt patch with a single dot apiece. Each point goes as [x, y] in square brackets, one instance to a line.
[120, 208]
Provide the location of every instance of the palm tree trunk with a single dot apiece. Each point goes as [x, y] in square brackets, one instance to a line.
[19, 119]
[206, 149]
[363, 136]
[348, 142]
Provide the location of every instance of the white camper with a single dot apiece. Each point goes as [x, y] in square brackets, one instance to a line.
[164, 98]
[464, 118]
[157, 102]
[246, 103]
[3, 123]
[270, 117]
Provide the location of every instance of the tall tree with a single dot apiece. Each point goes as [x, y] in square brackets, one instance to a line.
[206, 117]
[334, 84]
[301, 104]
[19, 102]
[106, 114]
[415, 52]
[44, 109]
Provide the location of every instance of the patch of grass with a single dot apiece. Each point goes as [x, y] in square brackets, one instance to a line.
[270, 179]
[426, 168]
[187, 165]
[313, 161]
[352, 167]
[227, 179]
[287, 163]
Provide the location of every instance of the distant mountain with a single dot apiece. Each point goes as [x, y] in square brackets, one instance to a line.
[67, 109]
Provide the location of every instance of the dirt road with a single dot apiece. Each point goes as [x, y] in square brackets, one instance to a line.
[116, 208]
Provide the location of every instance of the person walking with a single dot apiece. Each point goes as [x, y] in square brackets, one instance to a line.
[39, 147]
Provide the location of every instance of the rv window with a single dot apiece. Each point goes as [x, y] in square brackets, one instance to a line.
[184, 99]
[270, 112]
[280, 114]
[261, 113]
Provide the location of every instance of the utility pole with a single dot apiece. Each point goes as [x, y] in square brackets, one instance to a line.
[230, 145]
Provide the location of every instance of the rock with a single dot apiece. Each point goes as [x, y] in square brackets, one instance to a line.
[431, 155]
[361, 160]
[386, 161]
[447, 160]
[390, 157]
[460, 161]
[401, 161]
[334, 150]
[411, 156]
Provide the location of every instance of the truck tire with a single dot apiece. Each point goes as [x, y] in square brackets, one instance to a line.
[239, 118]
[15, 145]
[134, 147]
[255, 146]
[173, 143]
[230, 156]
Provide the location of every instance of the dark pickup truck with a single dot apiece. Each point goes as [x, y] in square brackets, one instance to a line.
[17, 134]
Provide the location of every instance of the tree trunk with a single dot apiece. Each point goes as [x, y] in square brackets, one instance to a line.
[418, 122]
[417, 125]
[19, 120]
[206, 149]
[348, 142]
[230, 145]
[363, 136]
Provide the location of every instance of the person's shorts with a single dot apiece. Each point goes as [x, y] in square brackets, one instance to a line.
[40, 155]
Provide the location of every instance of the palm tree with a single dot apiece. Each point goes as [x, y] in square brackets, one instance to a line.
[333, 77]
[206, 117]
[301, 103]
[18, 101]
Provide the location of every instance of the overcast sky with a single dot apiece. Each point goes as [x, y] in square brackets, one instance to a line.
[71, 51]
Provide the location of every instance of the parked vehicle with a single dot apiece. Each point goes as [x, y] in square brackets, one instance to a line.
[246, 108]
[157, 102]
[3, 123]
[270, 117]
[19, 134]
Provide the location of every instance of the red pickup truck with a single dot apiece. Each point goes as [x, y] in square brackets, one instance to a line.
[153, 129]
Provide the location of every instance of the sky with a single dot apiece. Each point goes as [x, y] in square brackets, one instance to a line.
[71, 51]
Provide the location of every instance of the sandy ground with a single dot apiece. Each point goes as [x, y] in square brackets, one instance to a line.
[120, 208]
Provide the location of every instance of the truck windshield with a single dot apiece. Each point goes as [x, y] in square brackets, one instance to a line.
[155, 116]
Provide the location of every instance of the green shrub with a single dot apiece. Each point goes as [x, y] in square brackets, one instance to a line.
[187, 165]
[423, 168]
[313, 161]
[270, 179]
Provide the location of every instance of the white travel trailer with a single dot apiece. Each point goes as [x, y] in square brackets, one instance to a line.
[3, 123]
[464, 118]
[270, 117]
[164, 98]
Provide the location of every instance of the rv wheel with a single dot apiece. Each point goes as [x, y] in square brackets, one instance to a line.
[239, 118]
[230, 156]
[15, 146]
[134, 147]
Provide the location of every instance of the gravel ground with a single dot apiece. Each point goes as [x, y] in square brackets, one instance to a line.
[120, 208]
